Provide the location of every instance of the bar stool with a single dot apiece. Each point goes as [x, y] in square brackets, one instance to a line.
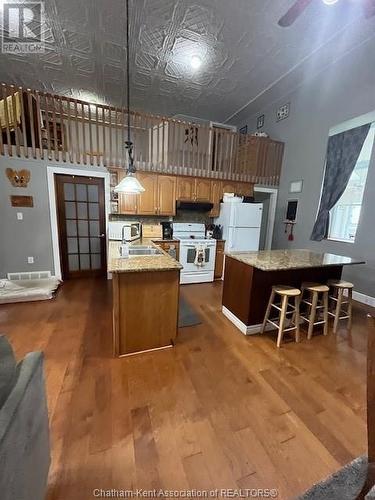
[339, 287]
[284, 292]
[315, 303]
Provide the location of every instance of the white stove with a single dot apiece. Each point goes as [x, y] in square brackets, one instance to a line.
[197, 253]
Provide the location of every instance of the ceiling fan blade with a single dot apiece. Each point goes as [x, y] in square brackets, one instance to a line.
[369, 8]
[295, 11]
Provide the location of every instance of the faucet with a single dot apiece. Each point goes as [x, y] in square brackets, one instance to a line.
[122, 234]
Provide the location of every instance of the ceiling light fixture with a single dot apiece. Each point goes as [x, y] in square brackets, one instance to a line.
[129, 184]
[330, 2]
[196, 62]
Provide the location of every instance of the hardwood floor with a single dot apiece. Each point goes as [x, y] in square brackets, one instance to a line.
[220, 410]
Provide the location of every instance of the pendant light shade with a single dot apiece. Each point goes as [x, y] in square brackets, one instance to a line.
[129, 185]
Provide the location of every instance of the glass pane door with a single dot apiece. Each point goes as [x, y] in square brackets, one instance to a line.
[82, 234]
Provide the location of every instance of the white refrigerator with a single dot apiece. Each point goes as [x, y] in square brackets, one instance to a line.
[241, 225]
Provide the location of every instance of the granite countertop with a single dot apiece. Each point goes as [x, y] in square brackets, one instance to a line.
[117, 264]
[279, 260]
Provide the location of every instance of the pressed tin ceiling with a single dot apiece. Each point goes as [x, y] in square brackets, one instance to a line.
[247, 59]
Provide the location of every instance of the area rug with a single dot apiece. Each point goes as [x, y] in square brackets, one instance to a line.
[186, 315]
[27, 290]
[343, 485]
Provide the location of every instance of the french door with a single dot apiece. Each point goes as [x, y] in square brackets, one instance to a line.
[81, 224]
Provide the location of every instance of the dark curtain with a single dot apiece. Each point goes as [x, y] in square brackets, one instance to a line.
[342, 154]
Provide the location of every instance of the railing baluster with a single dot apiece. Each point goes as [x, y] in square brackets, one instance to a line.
[104, 133]
[117, 163]
[69, 131]
[78, 146]
[47, 120]
[15, 123]
[30, 102]
[97, 135]
[55, 136]
[91, 155]
[110, 135]
[6, 118]
[39, 124]
[63, 144]
[83, 133]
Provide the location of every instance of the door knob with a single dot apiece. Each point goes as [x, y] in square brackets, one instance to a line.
[101, 235]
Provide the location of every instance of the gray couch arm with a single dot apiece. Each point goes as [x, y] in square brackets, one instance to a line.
[24, 434]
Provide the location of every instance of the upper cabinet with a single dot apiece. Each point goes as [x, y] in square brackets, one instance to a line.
[162, 191]
[244, 189]
[127, 203]
[166, 195]
[185, 188]
[202, 189]
[229, 187]
[216, 196]
[147, 201]
[193, 189]
[159, 197]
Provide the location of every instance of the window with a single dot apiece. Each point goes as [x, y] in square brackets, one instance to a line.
[344, 216]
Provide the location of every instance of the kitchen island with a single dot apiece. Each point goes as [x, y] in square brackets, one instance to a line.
[249, 277]
[145, 299]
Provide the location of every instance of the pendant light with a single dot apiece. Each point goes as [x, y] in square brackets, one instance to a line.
[129, 184]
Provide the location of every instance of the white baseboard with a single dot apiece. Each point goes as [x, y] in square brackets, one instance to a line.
[361, 297]
[245, 329]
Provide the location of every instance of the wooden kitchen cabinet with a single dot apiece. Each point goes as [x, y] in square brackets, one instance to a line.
[185, 188]
[127, 203]
[216, 196]
[229, 187]
[162, 192]
[245, 189]
[166, 195]
[202, 189]
[219, 259]
[147, 201]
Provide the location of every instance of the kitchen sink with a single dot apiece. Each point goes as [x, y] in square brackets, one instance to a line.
[144, 250]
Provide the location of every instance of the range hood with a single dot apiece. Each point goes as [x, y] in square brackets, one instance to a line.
[197, 206]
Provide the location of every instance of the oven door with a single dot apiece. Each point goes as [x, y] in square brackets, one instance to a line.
[188, 253]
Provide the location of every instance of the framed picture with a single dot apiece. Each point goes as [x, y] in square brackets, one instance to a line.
[283, 112]
[296, 186]
[260, 121]
[243, 130]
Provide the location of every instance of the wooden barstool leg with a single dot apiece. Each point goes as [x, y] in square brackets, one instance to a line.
[350, 307]
[314, 303]
[325, 312]
[284, 305]
[266, 316]
[297, 301]
[338, 309]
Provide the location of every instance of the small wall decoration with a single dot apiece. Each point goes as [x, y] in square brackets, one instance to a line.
[243, 130]
[260, 121]
[18, 178]
[296, 186]
[283, 112]
[22, 201]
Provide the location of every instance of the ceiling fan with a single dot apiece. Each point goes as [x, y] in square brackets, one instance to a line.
[299, 7]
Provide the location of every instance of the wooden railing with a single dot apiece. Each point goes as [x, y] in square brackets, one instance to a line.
[41, 125]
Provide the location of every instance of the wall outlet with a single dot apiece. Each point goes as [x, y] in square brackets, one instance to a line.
[19, 216]
[30, 260]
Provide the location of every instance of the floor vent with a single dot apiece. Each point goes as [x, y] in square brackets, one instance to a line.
[34, 275]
